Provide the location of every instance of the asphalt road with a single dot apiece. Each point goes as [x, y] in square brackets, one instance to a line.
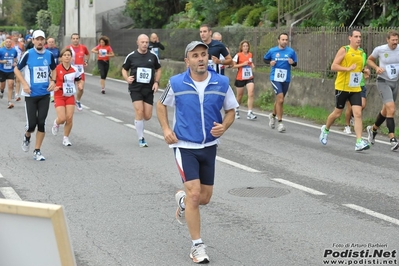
[279, 199]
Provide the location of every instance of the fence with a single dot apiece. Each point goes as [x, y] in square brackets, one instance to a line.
[315, 47]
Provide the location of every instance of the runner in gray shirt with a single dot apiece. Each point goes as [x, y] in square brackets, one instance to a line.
[387, 85]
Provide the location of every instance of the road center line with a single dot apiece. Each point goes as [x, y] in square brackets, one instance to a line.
[9, 193]
[300, 187]
[97, 112]
[373, 213]
[114, 119]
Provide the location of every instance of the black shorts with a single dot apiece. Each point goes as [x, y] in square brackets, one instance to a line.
[242, 83]
[6, 75]
[354, 98]
[145, 95]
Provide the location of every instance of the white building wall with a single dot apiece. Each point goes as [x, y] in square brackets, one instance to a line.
[87, 18]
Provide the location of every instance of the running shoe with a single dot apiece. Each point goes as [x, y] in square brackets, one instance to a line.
[79, 106]
[371, 134]
[142, 143]
[251, 116]
[347, 130]
[103, 91]
[237, 114]
[1, 94]
[362, 145]
[180, 217]
[394, 144]
[281, 127]
[198, 254]
[18, 98]
[323, 135]
[272, 121]
[25, 144]
[37, 155]
[66, 142]
[10, 105]
[55, 128]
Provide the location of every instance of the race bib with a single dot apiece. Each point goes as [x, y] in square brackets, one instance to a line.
[355, 79]
[246, 72]
[9, 64]
[280, 75]
[40, 74]
[102, 52]
[68, 89]
[392, 71]
[212, 65]
[143, 75]
[80, 68]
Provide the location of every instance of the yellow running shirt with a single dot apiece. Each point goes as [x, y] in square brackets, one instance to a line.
[350, 81]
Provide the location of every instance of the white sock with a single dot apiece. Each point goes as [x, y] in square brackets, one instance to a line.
[197, 241]
[249, 111]
[139, 128]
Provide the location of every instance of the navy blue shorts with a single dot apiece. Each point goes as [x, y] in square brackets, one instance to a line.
[196, 164]
[280, 87]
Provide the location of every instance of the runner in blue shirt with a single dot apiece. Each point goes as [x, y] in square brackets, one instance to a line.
[36, 71]
[280, 58]
[8, 59]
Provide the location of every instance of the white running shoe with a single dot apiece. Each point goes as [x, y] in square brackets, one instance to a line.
[79, 106]
[66, 142]
[323, 135]
[55, 128]
[37, 155]
[237, 114]
[180, 216]
[394, 144]
[198, 254]
[25, 144]
[347, 130]
[272, 121]
[281, 128]
[362, 145]
[251, 116]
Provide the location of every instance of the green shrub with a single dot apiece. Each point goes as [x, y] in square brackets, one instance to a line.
[272, 14]
[254, 17]
[242, 13]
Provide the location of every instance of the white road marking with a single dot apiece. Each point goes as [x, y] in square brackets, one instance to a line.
[9, 193]
[300, 187]
[97, 112]
[373, 213]
[114, 119]
[1, 176]
[237, 165]
[130, 125]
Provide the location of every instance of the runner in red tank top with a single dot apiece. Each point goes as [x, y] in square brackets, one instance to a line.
[80, 59]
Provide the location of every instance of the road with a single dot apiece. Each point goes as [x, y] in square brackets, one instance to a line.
[279, 198]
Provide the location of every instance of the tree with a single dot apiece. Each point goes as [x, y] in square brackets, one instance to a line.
[12, 11]
[56, 7]
[30, 9]
[43, 20]
[152, 14]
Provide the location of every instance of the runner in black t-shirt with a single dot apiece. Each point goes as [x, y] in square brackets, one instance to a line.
[143, 80]
[216, 49]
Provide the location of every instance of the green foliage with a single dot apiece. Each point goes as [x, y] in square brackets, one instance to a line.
[254, 17]
[56, 8]
[53, 31]
[225, 17]
[43, 20]
[30, 9]
[272, 14]
[242, 13]
[12, 29]
[152, 14]
[12, 12]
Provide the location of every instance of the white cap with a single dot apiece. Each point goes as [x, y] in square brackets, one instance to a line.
[38, 33]
[192, 45]
[30, 30]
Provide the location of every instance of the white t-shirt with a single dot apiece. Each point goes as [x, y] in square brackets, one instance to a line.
[388, 60]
